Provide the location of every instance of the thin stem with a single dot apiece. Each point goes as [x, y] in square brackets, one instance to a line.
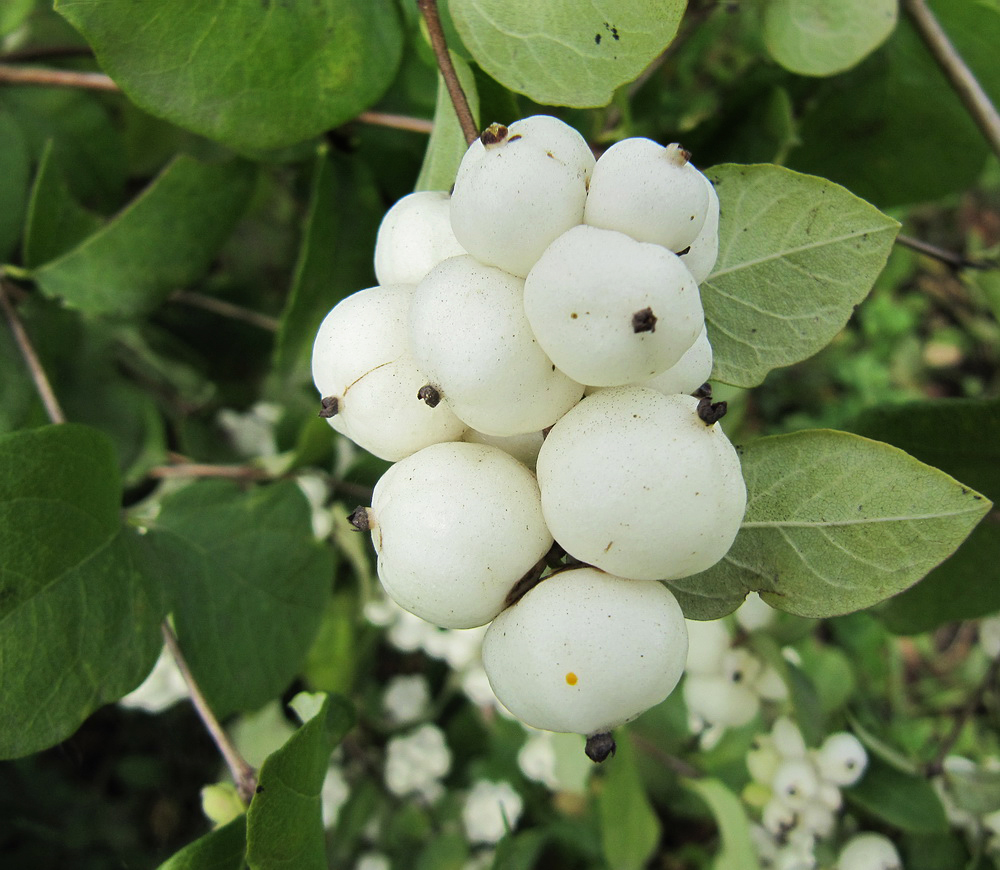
[936, 766]
[45, 392]
[429, 10]
[962, 79]
[44, 52]
[671, 762]
[951, 258]
[63, 78]
[226, 309]
[397, 122]
[243, 774]
[194, 469]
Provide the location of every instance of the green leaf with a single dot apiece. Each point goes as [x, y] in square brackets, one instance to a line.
[222, 849]
[447, 851]
[14, 170]
[630, 829]
[164, 239]
[285, 821]
[13, 14]
[819, 38]
[906, 801]
[959, 436]
[976, 791]
[56, 222]
[253, 75]
[564, 53]
[79, 625]
[446, 146]
[796, 256]
[335, 255]
[520, 851]
[737, 851]
[248, 586]
[893, 130]
[836, 523]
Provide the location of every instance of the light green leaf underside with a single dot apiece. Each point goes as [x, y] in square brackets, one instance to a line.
[796, 255]
[566, 52]
[836, 523]
[447, 145]
[737, 851]
[254, 75]
[820, 38]
[163, 240]
[630, 828]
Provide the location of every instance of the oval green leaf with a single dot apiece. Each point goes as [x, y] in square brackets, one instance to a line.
[820, 38]
[253, 75]
[222, 849]
[737, 851]
[630, 828]
[796, 255]
[79, 625]
[836, 523]
[564, 53]
[446, 146]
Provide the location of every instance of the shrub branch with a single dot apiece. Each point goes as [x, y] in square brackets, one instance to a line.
[429, 9]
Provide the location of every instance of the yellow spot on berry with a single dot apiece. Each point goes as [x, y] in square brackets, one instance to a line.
[571, 679]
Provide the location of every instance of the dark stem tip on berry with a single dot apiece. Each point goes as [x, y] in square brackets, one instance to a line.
[704, 391]
[359, 519]
[493, 134]
[329, 406]
[711, 412]
[600, 747]
[644, 321]
[430, 395]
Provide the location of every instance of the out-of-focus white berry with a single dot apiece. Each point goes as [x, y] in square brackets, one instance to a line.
[649, 192]
[406, 698]
[333, 795]
[869, 852]
[609, 310]
[818, 819]
[410, 633]
[537, 759]
[221, 803]
[770, 686]
[740, 666]
[455, 526]
[841, 759]
[584, 651]
[163, 688]
[795, 783]
[764, 844]
[719, 701]
[252, 433]
[763, 760]
[518, 189]
[830, 796]
[456, 647]
[795, 857]
[491, 808]
[415, 762]
[475, 685]
[382, 612]
[989, 636]
[779, 818]
[788, 739]
[708, 643]
[373, 861]
[754, 613]
[414, 236]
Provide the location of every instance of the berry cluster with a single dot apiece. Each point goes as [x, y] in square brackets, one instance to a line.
[528, 361]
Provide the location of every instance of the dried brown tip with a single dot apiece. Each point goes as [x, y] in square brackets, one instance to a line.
[600, 746]
[704, 391]
[329, 406]
[360, 519]
[493, 135]
[677, 155]
[430, 395]
[644, 321]
[711, 412]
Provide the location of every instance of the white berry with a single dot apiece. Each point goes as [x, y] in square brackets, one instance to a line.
[585, 651]
[414, 236]
[702, 253]
[842, 759]
[869, 852]
[692, 370]
[455, 526]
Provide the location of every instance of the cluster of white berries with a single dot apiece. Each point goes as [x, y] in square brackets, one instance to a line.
[799, 791]
[528, 361]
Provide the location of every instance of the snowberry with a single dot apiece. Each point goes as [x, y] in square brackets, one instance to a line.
[795, 783]
[692, 370]
[609, 310]
[455, 526]
[763, 760]
[787, 738]
[702, 253]
[414, 236]
[490, 810]
[637, 484]
[518, 189]
[584, 651]
[470, 336]
[362, 367]
[708, 643]
[779, 818]
[869, 852]
[649, 192]
[524, 448]
[719, 701]
[841, 759]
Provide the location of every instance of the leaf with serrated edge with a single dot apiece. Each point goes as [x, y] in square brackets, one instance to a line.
[562, 52]
[79, 624]
[797, 254]
[836, 523]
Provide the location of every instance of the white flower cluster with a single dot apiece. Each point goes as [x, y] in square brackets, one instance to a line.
[545, 276]
[801, 791]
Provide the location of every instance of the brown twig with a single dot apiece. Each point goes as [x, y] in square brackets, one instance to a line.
[243, 774]
[429, 10]
[397, 122]
[195, 469]
[950, 258]
[671, 762]
[226, 309]
[962, 79]
[45, 392]
[61, 78]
